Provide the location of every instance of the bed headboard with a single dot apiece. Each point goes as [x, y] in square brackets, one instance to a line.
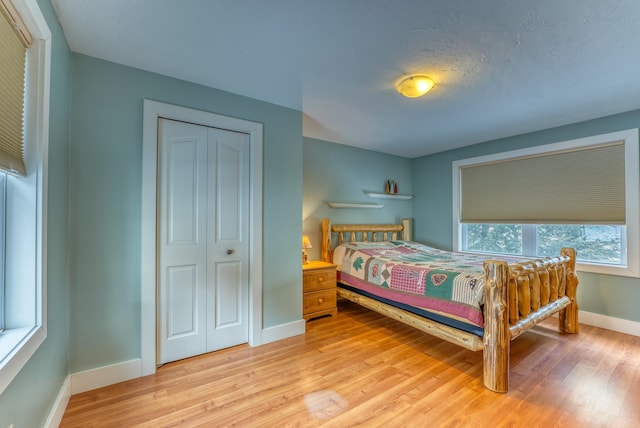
[363, 233]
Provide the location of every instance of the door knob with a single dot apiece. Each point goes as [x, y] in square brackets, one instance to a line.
[230, 251]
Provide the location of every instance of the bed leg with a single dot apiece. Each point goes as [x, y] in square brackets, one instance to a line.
[568, 317]
[497, 340]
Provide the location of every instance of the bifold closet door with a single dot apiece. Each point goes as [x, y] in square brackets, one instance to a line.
[203, 272]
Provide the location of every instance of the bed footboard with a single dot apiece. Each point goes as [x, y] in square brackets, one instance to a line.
[520, 296]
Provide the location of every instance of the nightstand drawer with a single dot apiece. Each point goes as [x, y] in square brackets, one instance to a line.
[319, 301]
[319, 280]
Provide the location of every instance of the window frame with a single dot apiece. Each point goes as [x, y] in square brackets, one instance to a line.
[26, 211]
[3, 226]
[632, 194]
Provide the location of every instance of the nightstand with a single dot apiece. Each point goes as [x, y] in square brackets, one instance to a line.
[318, 290]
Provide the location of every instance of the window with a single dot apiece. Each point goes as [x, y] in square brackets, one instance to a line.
[581, 193]
[24, 202]
[596, 244]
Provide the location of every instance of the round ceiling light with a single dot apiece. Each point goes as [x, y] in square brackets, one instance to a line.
[415, 86]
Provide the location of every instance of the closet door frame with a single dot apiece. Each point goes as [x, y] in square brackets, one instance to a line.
[153, 110]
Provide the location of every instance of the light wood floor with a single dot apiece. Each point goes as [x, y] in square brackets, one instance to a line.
[362, 369]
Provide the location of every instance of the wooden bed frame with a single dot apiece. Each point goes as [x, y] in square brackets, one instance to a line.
[517, 297]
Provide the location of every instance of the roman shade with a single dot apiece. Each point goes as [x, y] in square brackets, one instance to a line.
[14, 41]
[581, 186]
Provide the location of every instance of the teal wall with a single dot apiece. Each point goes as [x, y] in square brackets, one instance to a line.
[28, 399]
[105, 204]
[339, 173]
[432, 176]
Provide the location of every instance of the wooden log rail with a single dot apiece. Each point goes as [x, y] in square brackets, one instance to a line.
[535, 284]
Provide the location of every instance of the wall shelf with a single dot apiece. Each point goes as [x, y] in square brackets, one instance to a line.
[353, 205]
[388, 195]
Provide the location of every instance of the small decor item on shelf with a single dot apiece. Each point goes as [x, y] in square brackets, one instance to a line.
[390, 186]
[306, 244]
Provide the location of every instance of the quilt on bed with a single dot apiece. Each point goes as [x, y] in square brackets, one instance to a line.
[443, 283]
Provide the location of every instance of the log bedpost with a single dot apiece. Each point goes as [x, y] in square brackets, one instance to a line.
[568, 317]
[497, 336]
[406, 229]
[326, 240]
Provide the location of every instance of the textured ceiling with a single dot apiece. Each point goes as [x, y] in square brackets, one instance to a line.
[501, 67]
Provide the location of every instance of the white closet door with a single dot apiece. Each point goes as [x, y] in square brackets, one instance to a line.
[182, 242]
[202, 239]
[228, 272]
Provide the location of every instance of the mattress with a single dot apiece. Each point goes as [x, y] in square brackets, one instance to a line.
[443, 286]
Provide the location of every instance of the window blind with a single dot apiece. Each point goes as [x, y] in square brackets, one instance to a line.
[14, 41]
[583, 186]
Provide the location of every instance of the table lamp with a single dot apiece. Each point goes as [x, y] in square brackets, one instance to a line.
[306, 244]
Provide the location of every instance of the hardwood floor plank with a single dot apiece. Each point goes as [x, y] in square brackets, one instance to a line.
[361, 369]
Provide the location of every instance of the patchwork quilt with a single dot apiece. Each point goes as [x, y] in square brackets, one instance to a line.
[445, 283]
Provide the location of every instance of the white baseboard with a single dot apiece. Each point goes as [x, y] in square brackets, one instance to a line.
[609, 323]
[282, 331]
[107, 375]
[120, 372]
[59, 406]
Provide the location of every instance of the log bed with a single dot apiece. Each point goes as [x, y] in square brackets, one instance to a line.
[517, 297]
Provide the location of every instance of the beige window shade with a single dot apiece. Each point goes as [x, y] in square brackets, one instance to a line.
[14, 41]
[583, 186]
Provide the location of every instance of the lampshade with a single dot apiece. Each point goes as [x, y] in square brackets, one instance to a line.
[415, 86]
[306, 242]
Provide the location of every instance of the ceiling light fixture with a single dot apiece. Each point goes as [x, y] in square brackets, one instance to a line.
[415, 86]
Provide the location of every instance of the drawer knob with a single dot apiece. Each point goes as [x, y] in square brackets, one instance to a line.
[320, 279]
[321, 299]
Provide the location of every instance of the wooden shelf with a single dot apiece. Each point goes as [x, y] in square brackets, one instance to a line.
[353, 205]
[388, 195]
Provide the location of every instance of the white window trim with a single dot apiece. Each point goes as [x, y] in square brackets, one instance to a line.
[19, 342]
[632, 180]
[3, 192]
